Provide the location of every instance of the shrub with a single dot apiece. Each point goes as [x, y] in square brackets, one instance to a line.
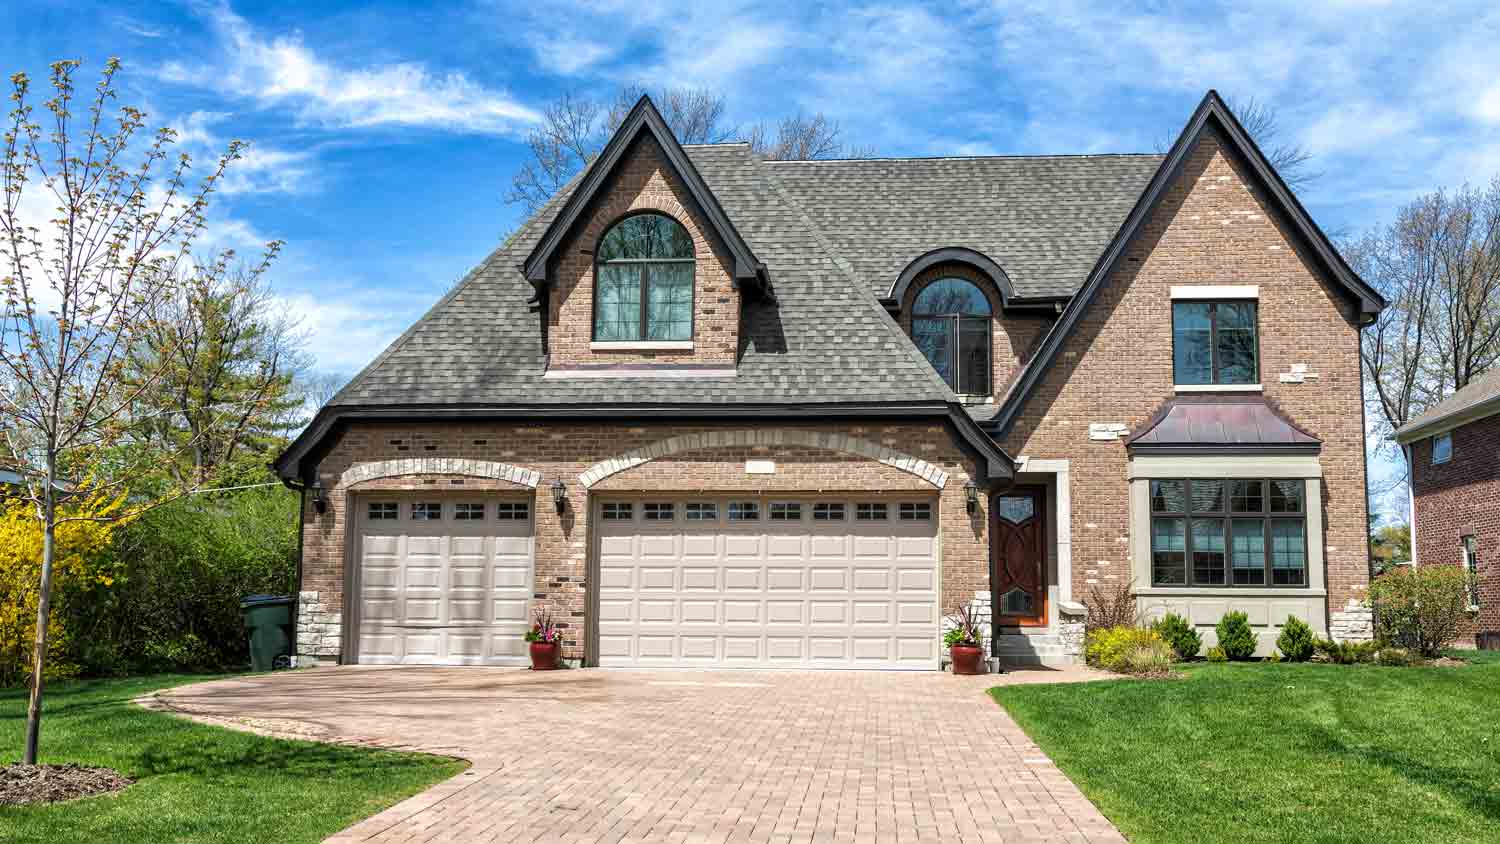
[1421, 609]
[1235, 636]
[1109, 647]
[1345, 653]
[1296, 640]
[1111, 606]
[1216, 654]
[1175, 631]
[1397, 657]
[1153, 659]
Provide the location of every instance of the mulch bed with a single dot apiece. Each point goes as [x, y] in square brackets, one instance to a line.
[22, 784]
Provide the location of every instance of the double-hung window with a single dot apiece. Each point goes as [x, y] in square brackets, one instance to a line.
[1228, 533]
[643, 287]
[1214, 343]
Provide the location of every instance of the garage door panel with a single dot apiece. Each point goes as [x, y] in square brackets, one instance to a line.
[445, 590]
[792, 591]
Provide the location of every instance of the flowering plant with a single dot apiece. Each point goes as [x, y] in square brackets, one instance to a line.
[543, 630]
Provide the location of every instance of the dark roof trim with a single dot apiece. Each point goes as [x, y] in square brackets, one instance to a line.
[952, 255]
[642, 118]
[994, 463]
[1212, 108]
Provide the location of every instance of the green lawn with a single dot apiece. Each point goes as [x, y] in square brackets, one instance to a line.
[193, 782]
[1280, 752]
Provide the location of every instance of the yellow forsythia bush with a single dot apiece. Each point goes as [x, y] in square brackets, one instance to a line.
[83, 566]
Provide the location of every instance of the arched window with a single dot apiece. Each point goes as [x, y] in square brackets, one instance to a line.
[643, 287]
[950, 323]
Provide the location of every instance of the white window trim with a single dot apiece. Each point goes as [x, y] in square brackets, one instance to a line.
[1218, 388]
[641, 346]
[1436, 438]
[1215, 291]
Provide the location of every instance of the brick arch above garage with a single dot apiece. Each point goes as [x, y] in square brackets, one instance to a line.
[768, 443]
[359, 473]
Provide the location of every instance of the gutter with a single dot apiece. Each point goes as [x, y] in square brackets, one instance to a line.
[1413, 431]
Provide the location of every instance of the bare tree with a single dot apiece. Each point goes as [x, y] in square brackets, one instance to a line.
[1263, 124]
[574, 128]
[81, 286]
[319, 388]
[1438, 265]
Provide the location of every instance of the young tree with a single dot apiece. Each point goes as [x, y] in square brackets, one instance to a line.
[216, 364]
[93, 232]
[575, 128]
[1438, 265]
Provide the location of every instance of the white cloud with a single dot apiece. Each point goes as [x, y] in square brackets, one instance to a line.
[343, 334]
[283, 70]
[260, 169]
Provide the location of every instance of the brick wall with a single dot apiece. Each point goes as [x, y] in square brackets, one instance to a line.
[565, 451]
[1210, 228]
[1459, 498]
[642, 182]
[1014, 338]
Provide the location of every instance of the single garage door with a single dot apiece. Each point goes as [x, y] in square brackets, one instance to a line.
[443, 581]
[768, 583]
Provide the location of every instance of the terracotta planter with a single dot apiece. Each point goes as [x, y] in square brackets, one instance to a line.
[966, 659]
[544, 656]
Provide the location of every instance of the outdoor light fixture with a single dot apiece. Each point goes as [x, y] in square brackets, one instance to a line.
[559, 496]
[319, 502]
[971, 497]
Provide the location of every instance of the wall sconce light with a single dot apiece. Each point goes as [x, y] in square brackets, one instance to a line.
[320, 503]
[971, 497]
[559, 496]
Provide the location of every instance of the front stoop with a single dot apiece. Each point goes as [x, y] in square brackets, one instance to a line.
[1046, 649]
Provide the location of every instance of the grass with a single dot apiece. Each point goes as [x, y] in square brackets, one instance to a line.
[194, 782]
[1259, 752]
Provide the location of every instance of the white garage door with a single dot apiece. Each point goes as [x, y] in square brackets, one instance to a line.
[768, 583]
[443, 581]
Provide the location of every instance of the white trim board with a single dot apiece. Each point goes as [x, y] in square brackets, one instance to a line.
[1215, 291]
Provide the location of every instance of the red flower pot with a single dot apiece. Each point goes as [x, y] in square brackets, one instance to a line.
[544, 656]
[966, 658]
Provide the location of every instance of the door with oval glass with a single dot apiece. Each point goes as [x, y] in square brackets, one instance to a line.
[1018, 558]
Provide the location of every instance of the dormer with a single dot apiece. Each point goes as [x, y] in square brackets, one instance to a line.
[641, 272]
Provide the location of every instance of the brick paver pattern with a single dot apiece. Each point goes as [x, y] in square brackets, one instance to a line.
[679, 756]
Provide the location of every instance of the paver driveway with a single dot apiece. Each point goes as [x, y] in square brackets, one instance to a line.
[680, 756]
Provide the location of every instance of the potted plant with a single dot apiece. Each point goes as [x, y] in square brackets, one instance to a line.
[965, 647]
[546, 641]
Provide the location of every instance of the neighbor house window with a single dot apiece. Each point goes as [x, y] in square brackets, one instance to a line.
[1471, 565]
[1210, 532]
[1214, 343]
[950, 323]
[644, 281]
[1442, 448]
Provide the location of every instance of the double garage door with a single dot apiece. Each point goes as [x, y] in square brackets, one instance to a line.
[683, 581]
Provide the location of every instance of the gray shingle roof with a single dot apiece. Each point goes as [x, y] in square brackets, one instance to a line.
[1044, 219]
[824, 340]
[1484, 389]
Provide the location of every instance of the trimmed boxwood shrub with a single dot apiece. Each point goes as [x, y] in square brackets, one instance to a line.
[1235, 636]
[1295, 641]
[1176, 631]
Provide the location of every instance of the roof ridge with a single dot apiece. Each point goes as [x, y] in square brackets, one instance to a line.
[996, 157]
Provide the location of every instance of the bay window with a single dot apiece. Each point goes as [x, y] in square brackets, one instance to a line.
[1228, 532]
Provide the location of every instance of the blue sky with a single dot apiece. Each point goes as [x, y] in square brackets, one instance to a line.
[384, 134]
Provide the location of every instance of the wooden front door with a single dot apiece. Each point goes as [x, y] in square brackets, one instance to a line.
[1018, 558]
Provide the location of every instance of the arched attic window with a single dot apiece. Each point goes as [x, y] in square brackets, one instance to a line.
[950, 323]
[643, 287]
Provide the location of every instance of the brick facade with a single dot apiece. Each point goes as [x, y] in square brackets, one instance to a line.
[642, 183]
[1211, 227]
[563, 452]
[1458, 499]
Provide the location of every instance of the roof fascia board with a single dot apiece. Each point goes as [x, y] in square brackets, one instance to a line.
[642, 118]
[993, 460]
[1211, 108]
[1448, 421]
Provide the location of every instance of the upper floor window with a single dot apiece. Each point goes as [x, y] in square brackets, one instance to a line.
[644, 281]
[1214, 343]
[1442, 448]
[950, 323]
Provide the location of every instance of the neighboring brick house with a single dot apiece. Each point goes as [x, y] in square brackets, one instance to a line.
[1454, 453]
[708, 409]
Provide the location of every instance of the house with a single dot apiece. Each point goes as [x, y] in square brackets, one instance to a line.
[1453, 451]
[711, 410]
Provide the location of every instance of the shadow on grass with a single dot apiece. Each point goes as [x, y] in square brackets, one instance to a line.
[269, 758]
[1458, 783]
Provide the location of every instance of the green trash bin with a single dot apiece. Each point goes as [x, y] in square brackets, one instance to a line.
[268, 618]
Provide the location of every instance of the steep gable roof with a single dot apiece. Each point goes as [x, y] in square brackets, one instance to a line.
[643, 118]
[1212, 113]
